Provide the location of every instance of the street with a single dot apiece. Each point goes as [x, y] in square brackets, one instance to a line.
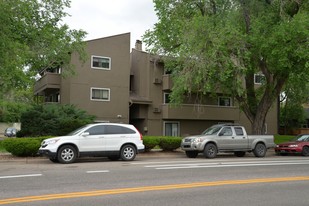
[157, 180]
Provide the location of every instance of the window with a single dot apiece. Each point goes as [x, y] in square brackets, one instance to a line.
[239, 131]
[225, 101]
[98, 62]
[96, 130]
[166, 98]
[100, 94]
[112, 129]
[259, 78]
[226, 131]
[171, 129]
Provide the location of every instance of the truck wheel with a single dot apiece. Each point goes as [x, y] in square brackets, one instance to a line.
[67, 154]
[259, 150]
[210, 150]
[305, 151]
[239, 153]
[128, 153]
[191, 154]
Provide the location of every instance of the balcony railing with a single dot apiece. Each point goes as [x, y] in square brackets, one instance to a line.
[200, 112]
[48, 81]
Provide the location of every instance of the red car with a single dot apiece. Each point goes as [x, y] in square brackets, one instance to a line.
[299, 144]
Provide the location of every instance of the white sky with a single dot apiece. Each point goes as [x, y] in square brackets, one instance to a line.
[102, 18]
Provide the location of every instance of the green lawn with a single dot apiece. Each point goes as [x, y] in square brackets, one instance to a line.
[283, 138]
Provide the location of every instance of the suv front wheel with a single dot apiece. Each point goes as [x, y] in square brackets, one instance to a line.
[128, 153]
[67, 154]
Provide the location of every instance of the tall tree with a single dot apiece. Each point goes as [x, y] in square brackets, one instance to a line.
[222, 44]
[33, 37]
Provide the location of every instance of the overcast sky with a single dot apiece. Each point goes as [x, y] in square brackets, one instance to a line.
[102, 18]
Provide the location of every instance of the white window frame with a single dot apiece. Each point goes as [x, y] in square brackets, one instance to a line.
[231, 103]
[262, 76]
[101, 100]
[171, 122]
[109, 59]
[164, 97]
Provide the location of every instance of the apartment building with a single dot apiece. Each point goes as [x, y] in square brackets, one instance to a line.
[118, 86]
[100, 85]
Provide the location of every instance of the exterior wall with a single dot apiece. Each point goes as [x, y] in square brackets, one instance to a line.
[77, 89]
[191, 118]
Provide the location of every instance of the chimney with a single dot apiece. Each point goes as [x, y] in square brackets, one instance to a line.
[138, 45]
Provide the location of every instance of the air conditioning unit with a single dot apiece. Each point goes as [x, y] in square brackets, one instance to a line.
[156, 110]
[157, 81]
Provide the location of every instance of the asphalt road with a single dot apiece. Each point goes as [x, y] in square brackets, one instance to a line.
[157, 180]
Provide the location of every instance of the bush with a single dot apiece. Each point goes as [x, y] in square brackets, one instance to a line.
[170, 143]
[23, 147]
[1, 146]
[52, 120]
[150, 142]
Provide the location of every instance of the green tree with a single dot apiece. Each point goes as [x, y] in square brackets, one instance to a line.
[33, 37]
[221, 44]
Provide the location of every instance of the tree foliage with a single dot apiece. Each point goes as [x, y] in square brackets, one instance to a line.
[212, 45]
[295, 94]
[52, 120]
[33, 37]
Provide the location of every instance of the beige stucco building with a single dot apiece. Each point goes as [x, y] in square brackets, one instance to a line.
[117, 85]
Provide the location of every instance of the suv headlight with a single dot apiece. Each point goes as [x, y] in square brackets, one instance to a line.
[197, 140]
[51, 141]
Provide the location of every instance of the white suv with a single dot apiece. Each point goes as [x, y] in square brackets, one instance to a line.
[110, 140]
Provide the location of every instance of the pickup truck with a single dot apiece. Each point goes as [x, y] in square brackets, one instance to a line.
[226, 138]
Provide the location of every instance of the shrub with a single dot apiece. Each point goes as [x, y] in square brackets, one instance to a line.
[170, 143]
[22, 147]
[54, 120]
[1, 146]
[150, 142]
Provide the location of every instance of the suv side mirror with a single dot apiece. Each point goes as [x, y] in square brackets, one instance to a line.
[85, 134]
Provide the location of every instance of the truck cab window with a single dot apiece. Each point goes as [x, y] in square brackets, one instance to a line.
[226, 131]
[239, 131]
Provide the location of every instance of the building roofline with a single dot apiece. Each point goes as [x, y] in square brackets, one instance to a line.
[109, 37]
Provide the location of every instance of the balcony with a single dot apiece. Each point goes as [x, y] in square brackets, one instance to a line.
[200, 112]
[167, 82]
[50, 81]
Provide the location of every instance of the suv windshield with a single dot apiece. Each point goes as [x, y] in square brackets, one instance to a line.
[212, 130]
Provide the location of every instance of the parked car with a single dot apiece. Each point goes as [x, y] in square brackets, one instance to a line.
[298, 145]
[10, 132]
[115, 141]
[226, 138]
